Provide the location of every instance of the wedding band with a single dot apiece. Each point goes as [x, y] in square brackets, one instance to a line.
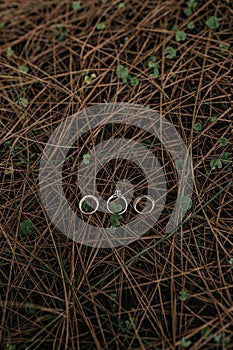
[83, 199]
[117, 194]
[138, 199]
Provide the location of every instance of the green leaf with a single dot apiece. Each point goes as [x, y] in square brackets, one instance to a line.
[100, 26]
[134, 81]
[185, 343]
[188, 11]
[122, 72]
[87, 79]
[85, 72]
[152, 58]
[29, 309]
[192, 4]
[22, 102]
[225, 157]
[215, 163]
[175, 28]
[115, 208]
[26, 227]
[212, 119]
[206, 332]
[1, 25]
[213, 22]
[85, 206]
[223, 141]
[184, 295]
[111, 229]
[76, 5]
[180, 35]
[115, 219]
[170, 52]
[231, 262]
[24, 69]
[224, 47]
[155, 74]
[218, 337]
[86, 158]
[10, 52]
[191, 25]
[121, 5]
[185, 203]
[197, 126]
[61, 31]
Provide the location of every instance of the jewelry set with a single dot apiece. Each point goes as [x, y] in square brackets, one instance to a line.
[116, 195]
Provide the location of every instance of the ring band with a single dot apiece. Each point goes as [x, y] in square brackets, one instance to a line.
[117, 194]
[83, 199]
[138, 199]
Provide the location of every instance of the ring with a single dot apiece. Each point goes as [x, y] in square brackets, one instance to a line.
[138, 199]
[117, 194]
[83, 199]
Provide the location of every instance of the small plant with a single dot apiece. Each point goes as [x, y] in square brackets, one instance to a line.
[184, 295]
[185, 203]
[85, 72]
[111, 229]
[221, 337]
[191, 5]
[86, 159]
[127, 325]
[175, 28]
[115, 219]
[123, 73]
[100, 26]
[206, 332]
[180, 35]
[88, 78]
[226, 158]
[22, 102]
[9, 52]
[121, 5]
[61, 32]
[185, 343]
[155, 66]
[76, 5]
[134, 81]
[170, 52]
[187, 11]
[191, 25]
[223, 141]
[197, 127]
[29, 309]
[224, 47]
[215, 163]
[85, 207]
[24, 69]
[26, 227]
[115, 208]
[212, 119]
[230, 261]
[213, 22]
